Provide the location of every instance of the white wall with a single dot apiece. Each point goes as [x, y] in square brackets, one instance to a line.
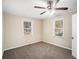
[74, 34]
[13, 32]
[48, 31]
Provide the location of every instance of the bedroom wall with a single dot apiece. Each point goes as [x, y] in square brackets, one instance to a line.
[49, 33]
[13, 32]
[42, 30]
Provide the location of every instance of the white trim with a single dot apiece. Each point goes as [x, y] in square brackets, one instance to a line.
[58, 45]
[40, 41]
[74, 54]
[20, 46]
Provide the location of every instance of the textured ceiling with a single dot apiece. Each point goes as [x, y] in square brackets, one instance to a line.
[26, 7]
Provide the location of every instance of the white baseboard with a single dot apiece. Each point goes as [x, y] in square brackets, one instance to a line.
[37, 42]
[20, 46]
[58, 45]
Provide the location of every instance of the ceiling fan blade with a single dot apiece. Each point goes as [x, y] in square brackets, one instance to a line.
[49, 4]
[39, 7]
[62, 8]
[57, 1]
[42, 13]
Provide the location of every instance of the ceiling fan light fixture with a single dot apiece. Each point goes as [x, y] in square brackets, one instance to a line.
[52, 12]
[51, 7]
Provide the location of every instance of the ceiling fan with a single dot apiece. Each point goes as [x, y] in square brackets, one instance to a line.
[51, 6]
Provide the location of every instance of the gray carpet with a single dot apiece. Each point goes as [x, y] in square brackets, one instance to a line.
[39, 50]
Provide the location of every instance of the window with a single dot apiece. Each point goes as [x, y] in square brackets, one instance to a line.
[59, 27]
[27, 27]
